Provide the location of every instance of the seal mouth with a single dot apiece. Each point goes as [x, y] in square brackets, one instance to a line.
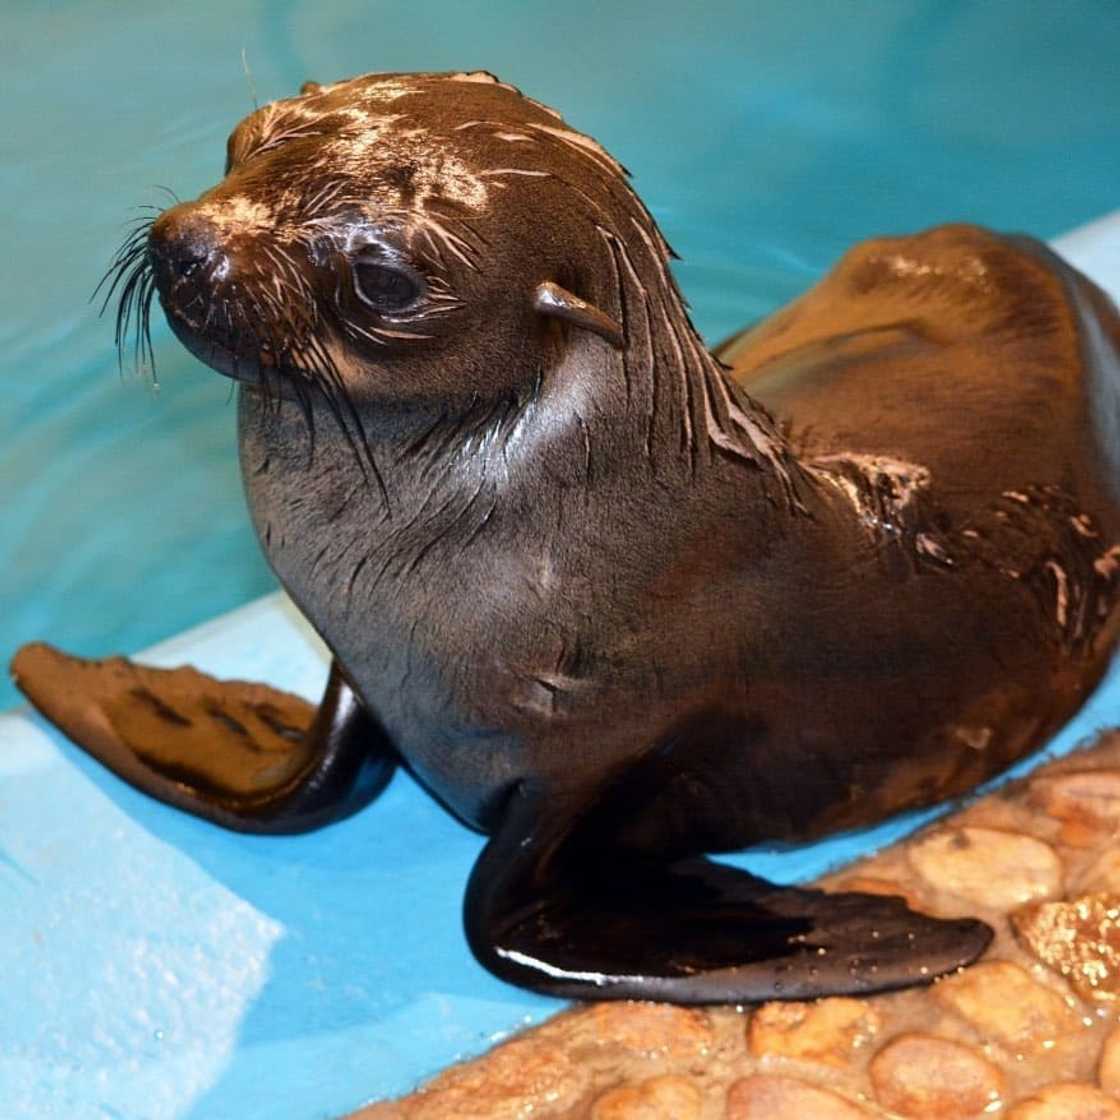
[274, 367]
[256, 368]
[248, 366]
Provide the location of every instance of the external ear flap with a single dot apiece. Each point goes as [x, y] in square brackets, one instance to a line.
[551, 299]
[309, 87]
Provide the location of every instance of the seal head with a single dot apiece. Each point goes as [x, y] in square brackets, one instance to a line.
[372, 234]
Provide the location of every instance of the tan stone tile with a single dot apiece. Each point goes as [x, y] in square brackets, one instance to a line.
[1088, 796]
[988, 867]
[1108, 1069]
[827, 1031]
[657, 1098]
[1067, 1101]
[1005, 1004]
[919, 1075]
[1080, 939]
[768, 1097]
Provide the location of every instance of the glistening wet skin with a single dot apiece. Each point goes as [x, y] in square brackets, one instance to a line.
[615, 600]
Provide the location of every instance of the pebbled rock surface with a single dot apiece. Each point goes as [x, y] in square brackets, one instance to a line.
[1031, 1032]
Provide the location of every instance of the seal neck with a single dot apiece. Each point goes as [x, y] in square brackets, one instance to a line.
[674, 401]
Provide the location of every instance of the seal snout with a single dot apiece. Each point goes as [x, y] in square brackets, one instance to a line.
[182, 243]
[194, 270]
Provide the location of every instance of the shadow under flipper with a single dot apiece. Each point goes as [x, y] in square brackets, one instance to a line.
[578, 920]
[243, 755]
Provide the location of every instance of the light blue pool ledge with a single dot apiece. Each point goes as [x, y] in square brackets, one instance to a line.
[157, 967]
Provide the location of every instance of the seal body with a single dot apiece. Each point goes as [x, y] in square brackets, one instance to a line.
[616, 601]
[927, 593]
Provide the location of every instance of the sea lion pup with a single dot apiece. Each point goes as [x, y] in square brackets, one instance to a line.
[615, 602]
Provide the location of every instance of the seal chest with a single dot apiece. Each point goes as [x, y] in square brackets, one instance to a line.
[617, 601]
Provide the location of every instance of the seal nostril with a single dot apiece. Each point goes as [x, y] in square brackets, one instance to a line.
[187, 265]
[181, 242]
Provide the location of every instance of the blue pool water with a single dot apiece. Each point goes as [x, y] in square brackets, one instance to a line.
[270, 978]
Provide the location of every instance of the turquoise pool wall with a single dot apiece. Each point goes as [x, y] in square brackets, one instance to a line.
[765, 137]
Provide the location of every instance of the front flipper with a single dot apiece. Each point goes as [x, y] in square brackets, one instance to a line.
[564, 914]
[243, 755]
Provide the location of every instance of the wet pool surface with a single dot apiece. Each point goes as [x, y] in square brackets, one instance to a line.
[163, 968]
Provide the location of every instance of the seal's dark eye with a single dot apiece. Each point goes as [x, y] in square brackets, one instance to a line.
[386, 287]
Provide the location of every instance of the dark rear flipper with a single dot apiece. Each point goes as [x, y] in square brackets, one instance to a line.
[582, 922]
[243, 755]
